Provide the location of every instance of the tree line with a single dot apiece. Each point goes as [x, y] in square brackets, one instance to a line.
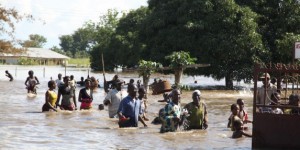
[231, 35]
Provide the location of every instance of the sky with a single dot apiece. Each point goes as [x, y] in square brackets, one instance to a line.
[55, 18]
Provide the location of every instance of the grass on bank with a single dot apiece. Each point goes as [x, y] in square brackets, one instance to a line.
[85, 62]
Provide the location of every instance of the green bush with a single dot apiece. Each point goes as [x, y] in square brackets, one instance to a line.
[27, 61]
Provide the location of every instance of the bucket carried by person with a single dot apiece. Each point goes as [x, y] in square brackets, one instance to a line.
[161, 87]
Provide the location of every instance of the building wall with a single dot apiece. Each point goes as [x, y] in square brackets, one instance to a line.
[14, 61]
[11, 61]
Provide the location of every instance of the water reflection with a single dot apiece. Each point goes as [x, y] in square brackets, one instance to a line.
[22, 126]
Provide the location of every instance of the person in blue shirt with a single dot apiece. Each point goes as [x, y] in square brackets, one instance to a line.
[130, 109]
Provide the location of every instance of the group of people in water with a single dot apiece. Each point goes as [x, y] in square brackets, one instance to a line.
[268, 100]
[131, 108]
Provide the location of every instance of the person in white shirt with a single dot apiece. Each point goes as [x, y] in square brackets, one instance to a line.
[58, 81]
[265, 91]
[113, 98]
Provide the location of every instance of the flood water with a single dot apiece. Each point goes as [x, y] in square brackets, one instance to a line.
[24, 126]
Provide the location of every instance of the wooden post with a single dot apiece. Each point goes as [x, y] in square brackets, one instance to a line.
[178, 74]
[65, 69]
[16, 72]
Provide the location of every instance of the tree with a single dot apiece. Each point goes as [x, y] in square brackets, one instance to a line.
[58, 50]
[8, 18]
[66, 43]
[220, 33]
[105, 31]
[35, 40]
[178, 62]
[145, 69]
[278, 22]
[80, 43]
[126, 46]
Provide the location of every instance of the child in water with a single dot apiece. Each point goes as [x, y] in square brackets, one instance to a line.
[242, 114]
[9, 76]
[237, 123]
[142, 93]
[50, 97]
[31, 82]
[86, 95]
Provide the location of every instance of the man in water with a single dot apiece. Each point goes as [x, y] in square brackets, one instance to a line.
[265, 91]
[130, 109]
[81, 82]
[113, 99]
[58, 81]
[9, 75]
[109, 84]
[197, 112]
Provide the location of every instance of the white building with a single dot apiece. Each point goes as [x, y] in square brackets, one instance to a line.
[39, 56]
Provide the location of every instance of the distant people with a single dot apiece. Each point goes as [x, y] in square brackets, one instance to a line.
[293, 101]
[9, 75]
[113, 99]
[275, 97]
[81, 82]
[111, 83]
[138, 84]
[98, 83]
[268, 87]
[141, 96]
[284, 84]
[94, 83]
[170, 116]
[68, 101]
[86, 96]
[130, 84]
[31, 82]
[72, 83]
[152, 86]
[50, 97]
[197, 112]
[168, 96]
[130, 110]
[274, 81]
[59, 81]
[237, 123]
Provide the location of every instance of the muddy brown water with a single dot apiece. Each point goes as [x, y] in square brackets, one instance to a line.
[23, 126]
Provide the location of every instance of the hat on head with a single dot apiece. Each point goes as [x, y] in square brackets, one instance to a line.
[197, 92]
[264, 75]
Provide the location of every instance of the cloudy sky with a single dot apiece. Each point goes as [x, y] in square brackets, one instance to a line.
[62, 17]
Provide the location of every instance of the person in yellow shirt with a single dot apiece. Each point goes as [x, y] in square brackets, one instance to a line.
[50, 97]
[197, 112]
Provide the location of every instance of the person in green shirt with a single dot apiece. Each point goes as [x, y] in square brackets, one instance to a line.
[197, 112]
